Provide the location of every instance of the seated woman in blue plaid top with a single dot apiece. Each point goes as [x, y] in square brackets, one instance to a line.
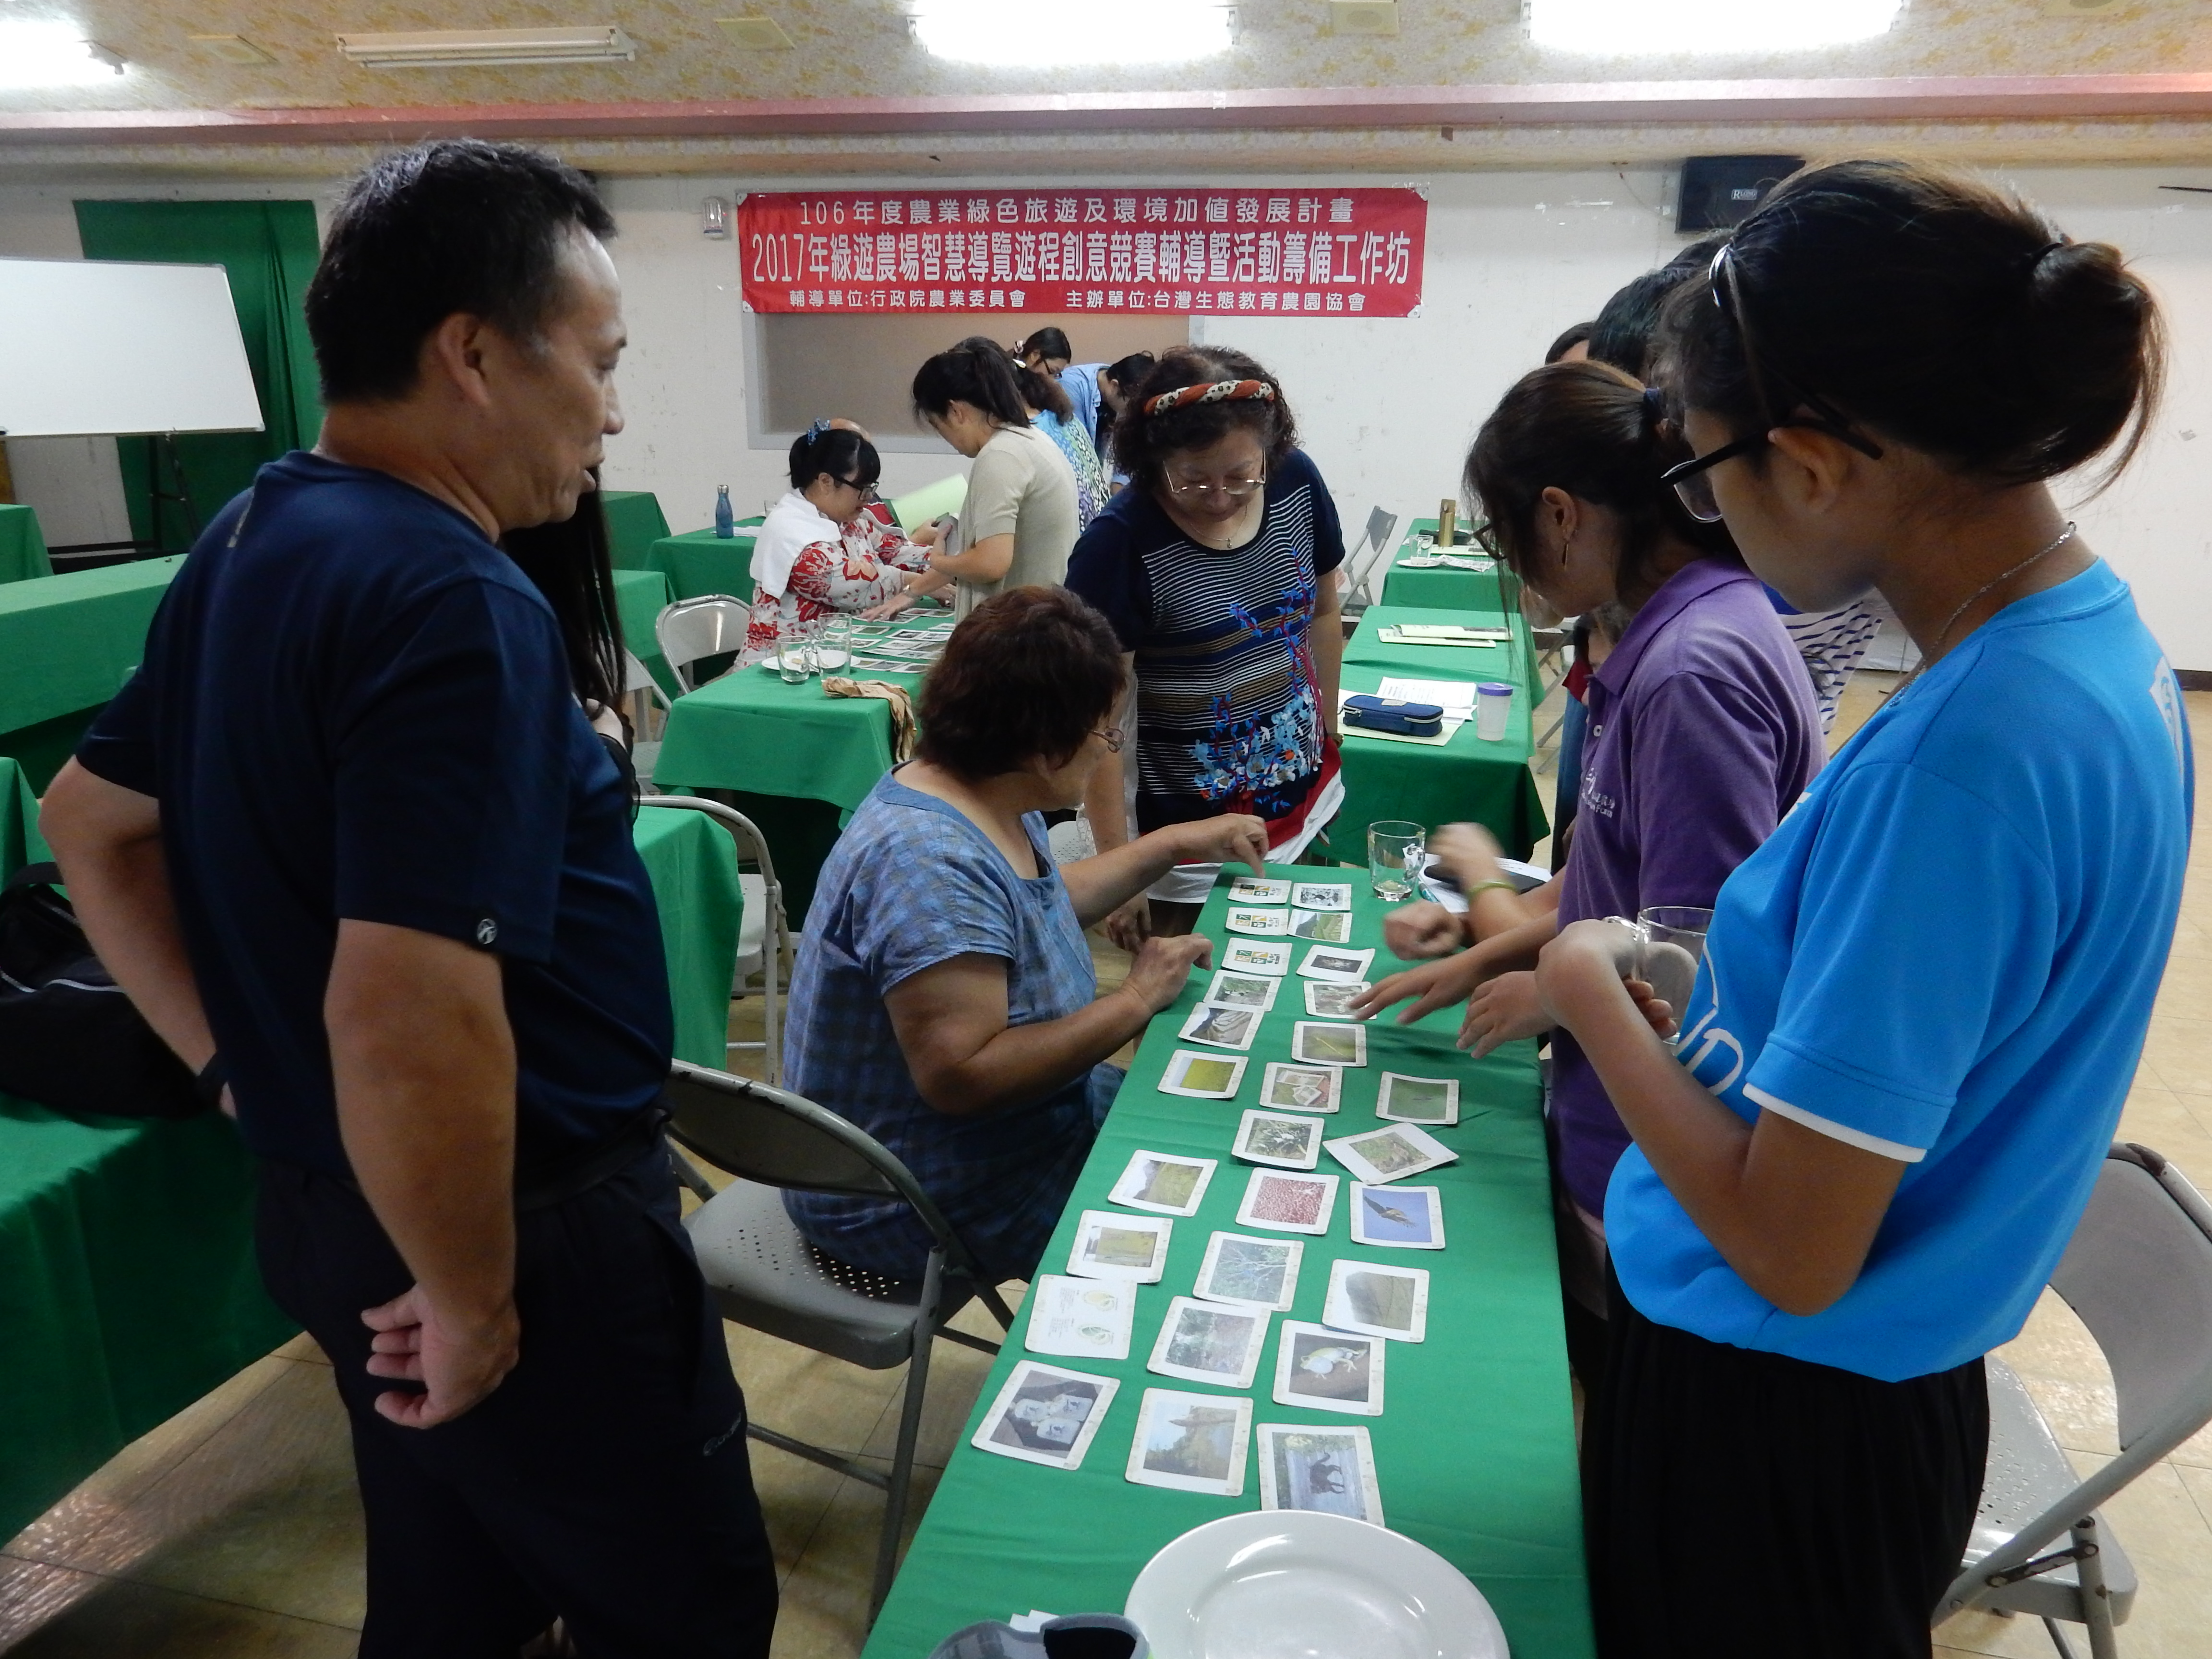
[944, 999]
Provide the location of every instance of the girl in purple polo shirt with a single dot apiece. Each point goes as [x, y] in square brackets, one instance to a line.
[1702, 731]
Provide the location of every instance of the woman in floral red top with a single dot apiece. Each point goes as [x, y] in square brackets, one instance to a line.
[828, 545]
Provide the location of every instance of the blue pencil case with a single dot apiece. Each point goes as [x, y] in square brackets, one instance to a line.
[1404, 720]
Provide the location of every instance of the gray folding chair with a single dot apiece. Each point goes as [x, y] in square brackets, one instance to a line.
[2139, 1273]
[644, 695]
[691, 630]
[1371, 553]
[767, 1277]
[763, 932]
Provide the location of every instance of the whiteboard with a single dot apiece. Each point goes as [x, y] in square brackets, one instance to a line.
[92, 347]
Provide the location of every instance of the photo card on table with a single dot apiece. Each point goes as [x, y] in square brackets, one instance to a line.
[1251, 1273]
[1254, 889]
[1305, 1467]
[1322, 895]
[1375, 1300]
[1329, 998]
[1247, 956]
[1278, 1138]
[1080, 1318]
[1167, 1183]
[1234, 990]
[1191, 1443]
[1202, 1077]
[1130, 1247]
[1285, 1203]
[1386, 1155]
[1327, 926]
[1212, 1342]
[1329, 1371]
[1258, 921]
[1294, 1088]
[1398, 1217]
[1418, 1099]
[1046, 1414]
[1331, 961]
[1313, 1044]
[1220, 1026]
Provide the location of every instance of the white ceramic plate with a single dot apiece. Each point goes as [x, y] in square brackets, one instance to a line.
[1292, 1583]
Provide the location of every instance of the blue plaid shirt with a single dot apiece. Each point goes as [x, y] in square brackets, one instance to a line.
[912, 884]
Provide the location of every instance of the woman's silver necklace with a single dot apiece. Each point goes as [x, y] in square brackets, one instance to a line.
[1997, 580]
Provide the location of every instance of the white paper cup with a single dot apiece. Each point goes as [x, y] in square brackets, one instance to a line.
[1493, 710]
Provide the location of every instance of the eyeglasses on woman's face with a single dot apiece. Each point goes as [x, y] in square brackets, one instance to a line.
[1111, 737]
[1212, 490]
[867, 492]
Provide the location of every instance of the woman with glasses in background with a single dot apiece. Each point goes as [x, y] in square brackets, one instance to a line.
[824, 548]
[1923, 999]
[1217, 568]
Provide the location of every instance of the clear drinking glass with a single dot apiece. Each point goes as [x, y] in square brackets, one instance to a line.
[792, 653]
[1670, 942]
[1396, 851]
[836, 647]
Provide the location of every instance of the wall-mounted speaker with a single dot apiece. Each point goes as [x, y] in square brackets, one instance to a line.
[1718, 191]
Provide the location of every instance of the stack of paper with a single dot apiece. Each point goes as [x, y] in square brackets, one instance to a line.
[1442, 634]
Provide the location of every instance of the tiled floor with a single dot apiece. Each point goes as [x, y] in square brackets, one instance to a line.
[233, 1530]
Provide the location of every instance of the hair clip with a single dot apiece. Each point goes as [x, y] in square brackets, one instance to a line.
[816, 430]
[1655, 406]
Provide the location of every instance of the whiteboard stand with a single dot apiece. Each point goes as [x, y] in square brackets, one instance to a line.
[162, 446]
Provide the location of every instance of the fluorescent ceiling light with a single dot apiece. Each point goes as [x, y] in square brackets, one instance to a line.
[1615, 29]
[1050, 34]
[44, 51]
[442, 48]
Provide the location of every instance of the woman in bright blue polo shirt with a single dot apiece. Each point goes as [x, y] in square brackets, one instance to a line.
[1924, 997]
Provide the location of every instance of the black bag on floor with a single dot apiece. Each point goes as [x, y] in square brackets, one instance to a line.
[69, 1037]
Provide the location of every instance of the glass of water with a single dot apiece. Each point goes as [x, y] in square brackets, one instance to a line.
[792, 653]
[836, 651]
[1394, 854]
[1670, 942]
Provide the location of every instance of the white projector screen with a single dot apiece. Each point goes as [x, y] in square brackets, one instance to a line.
[90, 347]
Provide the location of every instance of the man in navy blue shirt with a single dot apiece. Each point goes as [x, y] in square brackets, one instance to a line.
[349, 842]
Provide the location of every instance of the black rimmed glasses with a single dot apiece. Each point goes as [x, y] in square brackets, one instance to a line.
[867, 492]
[1691, 481]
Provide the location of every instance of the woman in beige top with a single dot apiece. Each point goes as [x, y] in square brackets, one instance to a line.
[1019, 523]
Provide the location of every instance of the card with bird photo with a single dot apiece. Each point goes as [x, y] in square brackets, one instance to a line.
[1210, 1342]
[1304, 1465]
[1202, 1077]
[1130, 1247]
[1313, 1044]
[1329, 1371]
[1419, 1099]
[1231, 989]
[1046, 1414]
[1292, 1088]
[1398, 1217]
[1329, 962]
[1165, 1183]
[1375, 1300]
[1252, 890]
[1386, 1155]
[1275, 1138]
[1191, 1443]
[1252, 956]
[1332, 999]
[1252, 1273]
[1220, 1026]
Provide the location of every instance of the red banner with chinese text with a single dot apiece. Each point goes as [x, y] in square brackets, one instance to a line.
[1307, 253]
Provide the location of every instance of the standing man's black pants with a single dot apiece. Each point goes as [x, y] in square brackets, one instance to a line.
[605, 1481]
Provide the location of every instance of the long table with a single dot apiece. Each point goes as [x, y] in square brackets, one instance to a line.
[67, 643]
[1474, 1451]
[699, 563]
[128, 1287]
[22, 549]
[1446, 587]
[635, 522]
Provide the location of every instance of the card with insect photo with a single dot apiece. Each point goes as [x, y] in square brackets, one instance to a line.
[1191, 1443]
[1274, 1138]
[1418, 1099]
[1250, 1273]
[1313, 1044]
[1203, 1077]
[1262, 923]
[1302, 1088]
[1304, 1467]
[1046, 1414]
[1330, 961]
[1081, 1318]
[1329, 998]
[1130, 1247]
[1210, 1342]
[1373, 1300]
[1329, 1370]
[1287, 1203]
[1246, 955]
[1235, 990]
[1398, 1217]
[1385, 1155]
[1329, 926]
[1219, 1026]
[1251, 889]
[1165, 1183]
[1322, 895]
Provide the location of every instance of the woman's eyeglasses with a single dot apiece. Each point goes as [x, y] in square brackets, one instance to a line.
[1234, 489]
[1691, 481]
[867, 492]
[1111, 737]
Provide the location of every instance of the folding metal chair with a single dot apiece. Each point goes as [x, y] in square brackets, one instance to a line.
[644, 695]
[763, 931]
[1369, 554]
[2139, 1273]
[691, 630]
[767, 1277]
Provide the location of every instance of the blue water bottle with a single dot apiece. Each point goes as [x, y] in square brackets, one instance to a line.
[725, 522]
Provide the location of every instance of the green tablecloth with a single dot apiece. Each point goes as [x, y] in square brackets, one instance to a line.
[22, 549]
[1466, 779]
[67, 642]
[699, 563]
[1515, 661]
[1443, 588]
[635, 522]
[1475, 1453]
[750, 731]
[639, 596]
[693, 865]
